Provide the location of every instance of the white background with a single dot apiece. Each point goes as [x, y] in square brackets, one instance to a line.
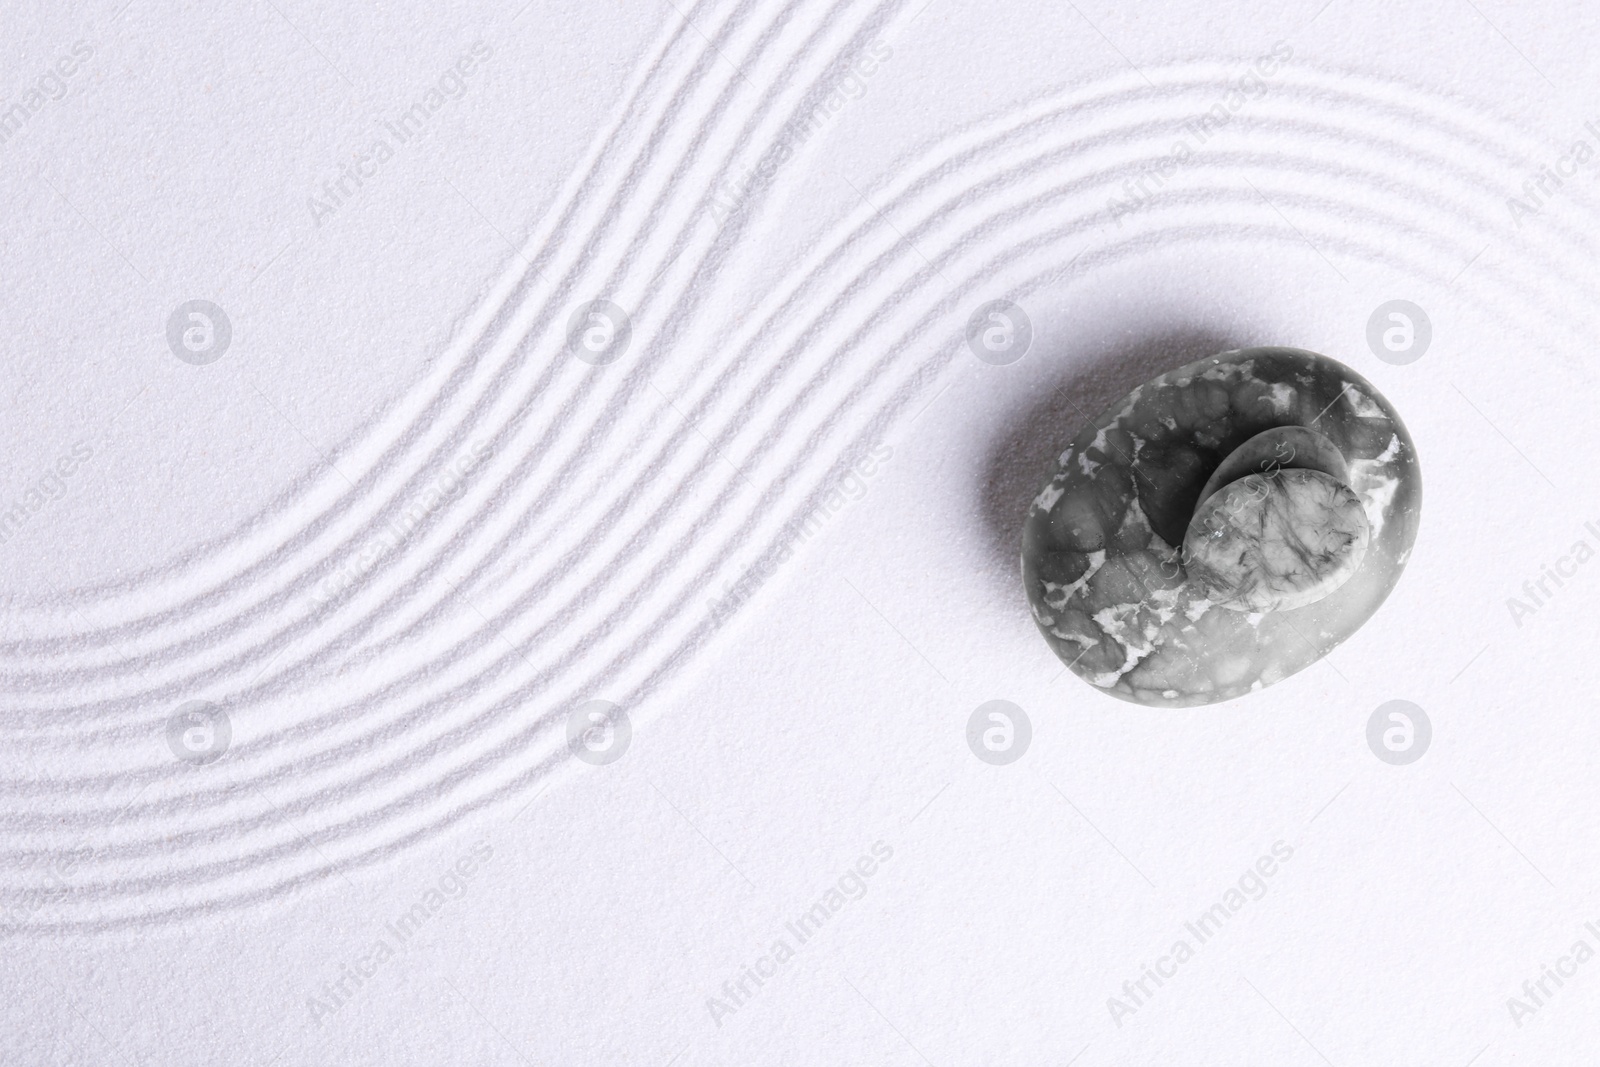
[773, 744]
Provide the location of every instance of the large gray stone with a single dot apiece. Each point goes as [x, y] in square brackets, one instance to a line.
[1156, 597]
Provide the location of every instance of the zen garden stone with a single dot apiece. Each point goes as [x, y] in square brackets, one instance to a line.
[1222, 527]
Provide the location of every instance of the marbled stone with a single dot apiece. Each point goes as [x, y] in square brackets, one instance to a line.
[1222, 527]
[1275, 541]
[1280, 448]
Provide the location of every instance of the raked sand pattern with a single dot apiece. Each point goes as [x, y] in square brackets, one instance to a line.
[397, 641]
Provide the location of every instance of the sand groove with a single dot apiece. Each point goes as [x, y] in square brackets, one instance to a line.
[578, 557]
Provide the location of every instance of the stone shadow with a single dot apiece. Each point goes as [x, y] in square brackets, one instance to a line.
[1023, 456]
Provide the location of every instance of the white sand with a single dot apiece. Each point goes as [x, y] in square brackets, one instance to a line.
[397, 533]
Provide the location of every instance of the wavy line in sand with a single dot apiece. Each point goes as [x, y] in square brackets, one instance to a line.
[177, 687]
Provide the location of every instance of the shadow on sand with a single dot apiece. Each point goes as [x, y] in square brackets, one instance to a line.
[1024, 455]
